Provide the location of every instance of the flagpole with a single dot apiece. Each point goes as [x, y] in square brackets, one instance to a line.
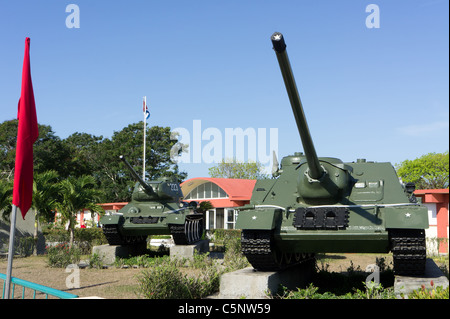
[145, 125]
[10, 251]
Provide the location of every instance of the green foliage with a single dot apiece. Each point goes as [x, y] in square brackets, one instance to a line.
[166, 281]
[84, 238]
[114, 178]
[25, 246]
[432, 293]
[76, 194]
[430, 171]
[231, 168]
[95, 261]
[62, 255]
[45, 194]
[85, 154]
[370, 291]
[233, 257]
[221, 236]
[205, 206]
[6, 191]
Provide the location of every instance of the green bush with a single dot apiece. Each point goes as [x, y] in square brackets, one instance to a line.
[61, 255]
[165, 281]
[233, 257]
[84, 238]
[25, 246]
[433, 293]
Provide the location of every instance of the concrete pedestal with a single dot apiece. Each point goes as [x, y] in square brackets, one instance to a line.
[108, 253]
[187, 251]
[253, 284]
[405, 284]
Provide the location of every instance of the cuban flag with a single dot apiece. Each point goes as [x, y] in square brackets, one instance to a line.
[145, 108]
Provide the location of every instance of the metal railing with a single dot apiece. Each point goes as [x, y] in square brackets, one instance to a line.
[34, 287]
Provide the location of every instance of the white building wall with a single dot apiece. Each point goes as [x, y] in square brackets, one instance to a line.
[431, 232]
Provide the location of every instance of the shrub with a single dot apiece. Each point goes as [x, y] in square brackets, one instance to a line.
[84, 238]
[233, 257]
[62, 255]
[165, 281]
[433, 293]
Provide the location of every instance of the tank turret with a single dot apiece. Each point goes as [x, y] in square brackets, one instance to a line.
[164, 188]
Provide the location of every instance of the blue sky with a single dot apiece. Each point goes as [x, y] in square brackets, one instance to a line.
[375, 93]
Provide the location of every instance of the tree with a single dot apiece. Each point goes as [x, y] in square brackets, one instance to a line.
[85, 154]
[83, 148]
[6, 192]
[8, 141]
[114, 177]
[49, 151]
[236, 169]
[45, 192]
[430, 171]
[76, 194]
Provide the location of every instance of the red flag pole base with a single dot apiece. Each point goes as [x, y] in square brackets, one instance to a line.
[10, 252]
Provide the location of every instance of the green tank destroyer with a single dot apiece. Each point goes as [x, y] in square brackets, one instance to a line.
[323, 205]
[156, 208]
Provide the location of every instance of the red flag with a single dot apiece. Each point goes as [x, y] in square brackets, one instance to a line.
[27, 134]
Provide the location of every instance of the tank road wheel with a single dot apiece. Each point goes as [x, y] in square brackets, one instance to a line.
[259, 248]
[409, 251]
[288, 258]
[189, 233]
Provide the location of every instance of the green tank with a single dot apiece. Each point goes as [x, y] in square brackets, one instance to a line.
[156, 208]
[323, 205]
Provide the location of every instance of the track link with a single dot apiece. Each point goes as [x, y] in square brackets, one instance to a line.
[409, 251]
[258, 246]
[114, 237]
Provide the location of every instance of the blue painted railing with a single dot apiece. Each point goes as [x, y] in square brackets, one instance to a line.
[35, 287]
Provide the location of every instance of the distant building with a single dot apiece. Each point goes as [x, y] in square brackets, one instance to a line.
[225, 194]
[437, 202]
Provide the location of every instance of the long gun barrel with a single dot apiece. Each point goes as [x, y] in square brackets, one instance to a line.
[315, 169]
[136, 176]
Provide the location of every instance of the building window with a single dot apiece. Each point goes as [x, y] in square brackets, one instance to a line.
[215, 218]
[207, 190]
[231, 216]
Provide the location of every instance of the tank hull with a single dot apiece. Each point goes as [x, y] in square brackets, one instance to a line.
[140, 219]
[368, 213]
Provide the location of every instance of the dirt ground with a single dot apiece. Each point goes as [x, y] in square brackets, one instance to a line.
[116, 283]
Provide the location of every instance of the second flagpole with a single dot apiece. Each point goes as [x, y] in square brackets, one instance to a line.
[145, 124]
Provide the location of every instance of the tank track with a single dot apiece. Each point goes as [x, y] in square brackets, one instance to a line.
[113, 236]
[188, 233]
[258, 246]
[409, 251]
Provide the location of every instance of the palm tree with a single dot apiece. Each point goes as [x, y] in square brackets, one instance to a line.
[77, 194]
[45, 193]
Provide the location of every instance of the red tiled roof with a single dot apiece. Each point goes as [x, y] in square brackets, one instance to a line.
[237, 189]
